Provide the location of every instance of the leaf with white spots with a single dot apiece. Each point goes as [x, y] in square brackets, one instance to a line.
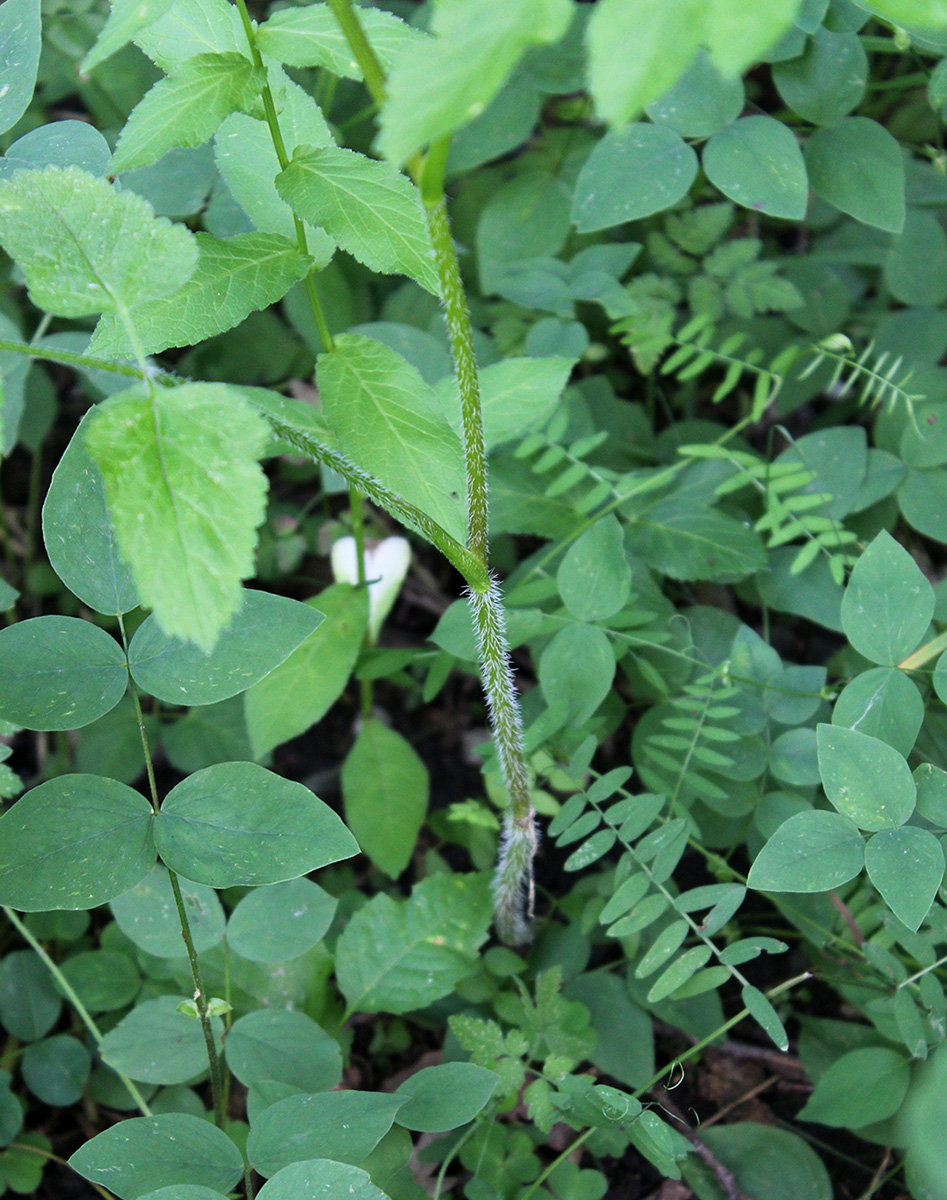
[19, 58]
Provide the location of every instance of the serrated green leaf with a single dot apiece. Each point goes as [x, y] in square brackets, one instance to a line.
[372, 211]
[233, 278]
[396, 956]
[385, 418]
[312, 37]
[385, 787]
[192, 27]
[127, 18]
[74, 842]
[439, 85]
[811, 852]
[187, 108]
[300, 692]
[186, 495]
[237, 824]
[85, 247]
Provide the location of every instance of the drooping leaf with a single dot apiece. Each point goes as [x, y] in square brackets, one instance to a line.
[865, 778]
[347, 1125]
[79, 535]
[233, 278]
[312, 37]
[386, 788]
[439, 85]
[280, 922]
[186, 495]
[386, 419]
[147, 914]
[85, 247]
[811, 852]
[285, 1046]
[445, 1097]
[143, 1154]
[186, 108]
[637, 51]
[239, 824]
[19, 58]
[372, 211]
[74, 842]
[59, 673]
[888, 604]
[857, 165]
[300, 692]
[394, 956]
[154, 1043]
[631, 174]
[264, 632]
[757, 162]
[907, 866]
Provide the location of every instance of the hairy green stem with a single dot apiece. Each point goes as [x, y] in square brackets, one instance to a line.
[68, 358]
[513, 880]
[69, 992]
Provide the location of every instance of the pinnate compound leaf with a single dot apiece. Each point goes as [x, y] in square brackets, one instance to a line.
[79, 535]
[233, 278]
[312, 37]
[300, 691]
[445, 1097]
[238, 824]
[372, 211]
[85, 247]
[348, 1125]
[155, 1043]
[811, 852]
[74, 842]
[394, 956]
[757, 162]
[842, 1099]
[907, 866]
[284, 1046]
[59, 673]
[888, 604]
[386, 418]
[187, 108]
[437, 86]
[142, 1154]
[20, 36]
[858, 166]
[186, 495]
[386, 790]
[263, 633]
[637, 50]
[320, 1177]
[631, 174]
[127, 18]
[865, 778]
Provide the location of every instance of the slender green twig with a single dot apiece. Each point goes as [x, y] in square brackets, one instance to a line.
[50, 1157]
[70, 993]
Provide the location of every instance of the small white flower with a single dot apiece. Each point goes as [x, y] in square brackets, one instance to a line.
[385, 568]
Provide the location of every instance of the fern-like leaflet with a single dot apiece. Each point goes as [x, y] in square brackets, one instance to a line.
[883, 377]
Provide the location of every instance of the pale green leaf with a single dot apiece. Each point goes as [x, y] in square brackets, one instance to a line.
[312, 37]
[127, 18]
[394, 956]
[186, 495]
[386, 788]
[594, 578]
[86, 247]
[302, 690]
[385, 417]
[929, 14]
[438, 86]
[19, 58]
[186, 108]
[368, 207]
[739, 32]
[637, 50]
[233, 278]
[190, 28]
